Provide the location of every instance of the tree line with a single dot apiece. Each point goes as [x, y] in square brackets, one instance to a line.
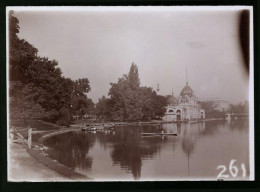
[212, 112]
[37, 89]
[128, 101]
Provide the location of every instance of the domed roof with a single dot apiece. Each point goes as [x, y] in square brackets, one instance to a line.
[187, 90]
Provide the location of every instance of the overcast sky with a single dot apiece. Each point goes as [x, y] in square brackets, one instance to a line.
[101, 45]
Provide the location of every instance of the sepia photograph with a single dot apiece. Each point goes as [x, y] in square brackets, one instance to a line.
[130, 93]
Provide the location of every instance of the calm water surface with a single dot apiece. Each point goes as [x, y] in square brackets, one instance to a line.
[123, 154]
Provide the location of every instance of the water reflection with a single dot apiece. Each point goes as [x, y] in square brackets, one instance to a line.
[131, 152]
[72, 149]
[129, 148]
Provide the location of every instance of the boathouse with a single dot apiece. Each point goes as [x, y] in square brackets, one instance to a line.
[184, 107]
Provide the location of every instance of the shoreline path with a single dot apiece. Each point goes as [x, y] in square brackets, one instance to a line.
[23, 167]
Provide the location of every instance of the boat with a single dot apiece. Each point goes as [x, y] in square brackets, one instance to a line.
[109, 128]
[88, 129]
[159, 134]
[92, 128]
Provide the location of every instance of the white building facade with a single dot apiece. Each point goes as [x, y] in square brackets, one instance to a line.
[185, 107]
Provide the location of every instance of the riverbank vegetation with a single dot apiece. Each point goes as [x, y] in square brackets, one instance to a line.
[129, 101]
[37, 89]
[212, 111]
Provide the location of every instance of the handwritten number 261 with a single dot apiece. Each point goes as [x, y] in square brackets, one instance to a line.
[233, 170]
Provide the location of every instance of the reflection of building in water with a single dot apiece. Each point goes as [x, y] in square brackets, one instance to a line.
[202, 126]
[185, 107]
[189, 134]
[188, 141]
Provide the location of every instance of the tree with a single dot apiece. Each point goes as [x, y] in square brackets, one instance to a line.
[130, 102]
[125, 94]
[79, 102]
[37, 87]
[23, 97]
[24, 104]
[133, 77]
[81, 86]
[159, 104]
[103, 108]
[21, 53]
[146, 98]
[117, 97]
[242, 107]
[82, 105]
[210, 110]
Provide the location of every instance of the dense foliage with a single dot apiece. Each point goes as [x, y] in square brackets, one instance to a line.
[37, 88]
[212, 112]
[239, 108]
[129, 101]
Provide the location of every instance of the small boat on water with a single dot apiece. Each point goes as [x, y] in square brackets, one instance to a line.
[88, 129]
[109, 126]
[159, 134]
[83, 129]
[91, 128]
[97, 127]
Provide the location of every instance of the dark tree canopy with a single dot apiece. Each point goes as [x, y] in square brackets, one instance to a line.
[103, 108]
[37, 87]
[130, 102]
[133, 77]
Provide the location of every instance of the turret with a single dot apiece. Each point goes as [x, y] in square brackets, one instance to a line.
[158, 89]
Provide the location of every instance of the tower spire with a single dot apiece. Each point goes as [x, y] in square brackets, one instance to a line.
[172, 92]
[186, 76]
[158, 89]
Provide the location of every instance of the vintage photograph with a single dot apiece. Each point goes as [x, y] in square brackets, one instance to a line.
[134, 93]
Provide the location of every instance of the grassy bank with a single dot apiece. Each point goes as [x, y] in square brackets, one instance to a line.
[56, 166]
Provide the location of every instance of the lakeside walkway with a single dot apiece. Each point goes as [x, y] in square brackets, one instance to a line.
[23, 167]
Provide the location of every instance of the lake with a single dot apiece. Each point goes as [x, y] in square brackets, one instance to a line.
[124, 154]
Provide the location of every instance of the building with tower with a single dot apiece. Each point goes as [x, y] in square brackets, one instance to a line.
[185, 107]
[158, 89]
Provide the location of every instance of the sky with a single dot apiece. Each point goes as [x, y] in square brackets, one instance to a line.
[101, 44]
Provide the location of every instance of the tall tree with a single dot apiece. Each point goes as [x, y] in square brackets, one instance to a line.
[133, 77]
[103, 108]
[81, 86]
[131, 102]
[21, 53]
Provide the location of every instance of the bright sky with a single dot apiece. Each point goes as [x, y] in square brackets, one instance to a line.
[101, 45]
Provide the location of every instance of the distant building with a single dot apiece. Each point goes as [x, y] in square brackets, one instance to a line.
[158, 89]
[185, 107]
[217, 104]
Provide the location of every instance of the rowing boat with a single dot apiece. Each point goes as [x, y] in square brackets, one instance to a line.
[159, 134]
[99, 128]
[90, 129]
